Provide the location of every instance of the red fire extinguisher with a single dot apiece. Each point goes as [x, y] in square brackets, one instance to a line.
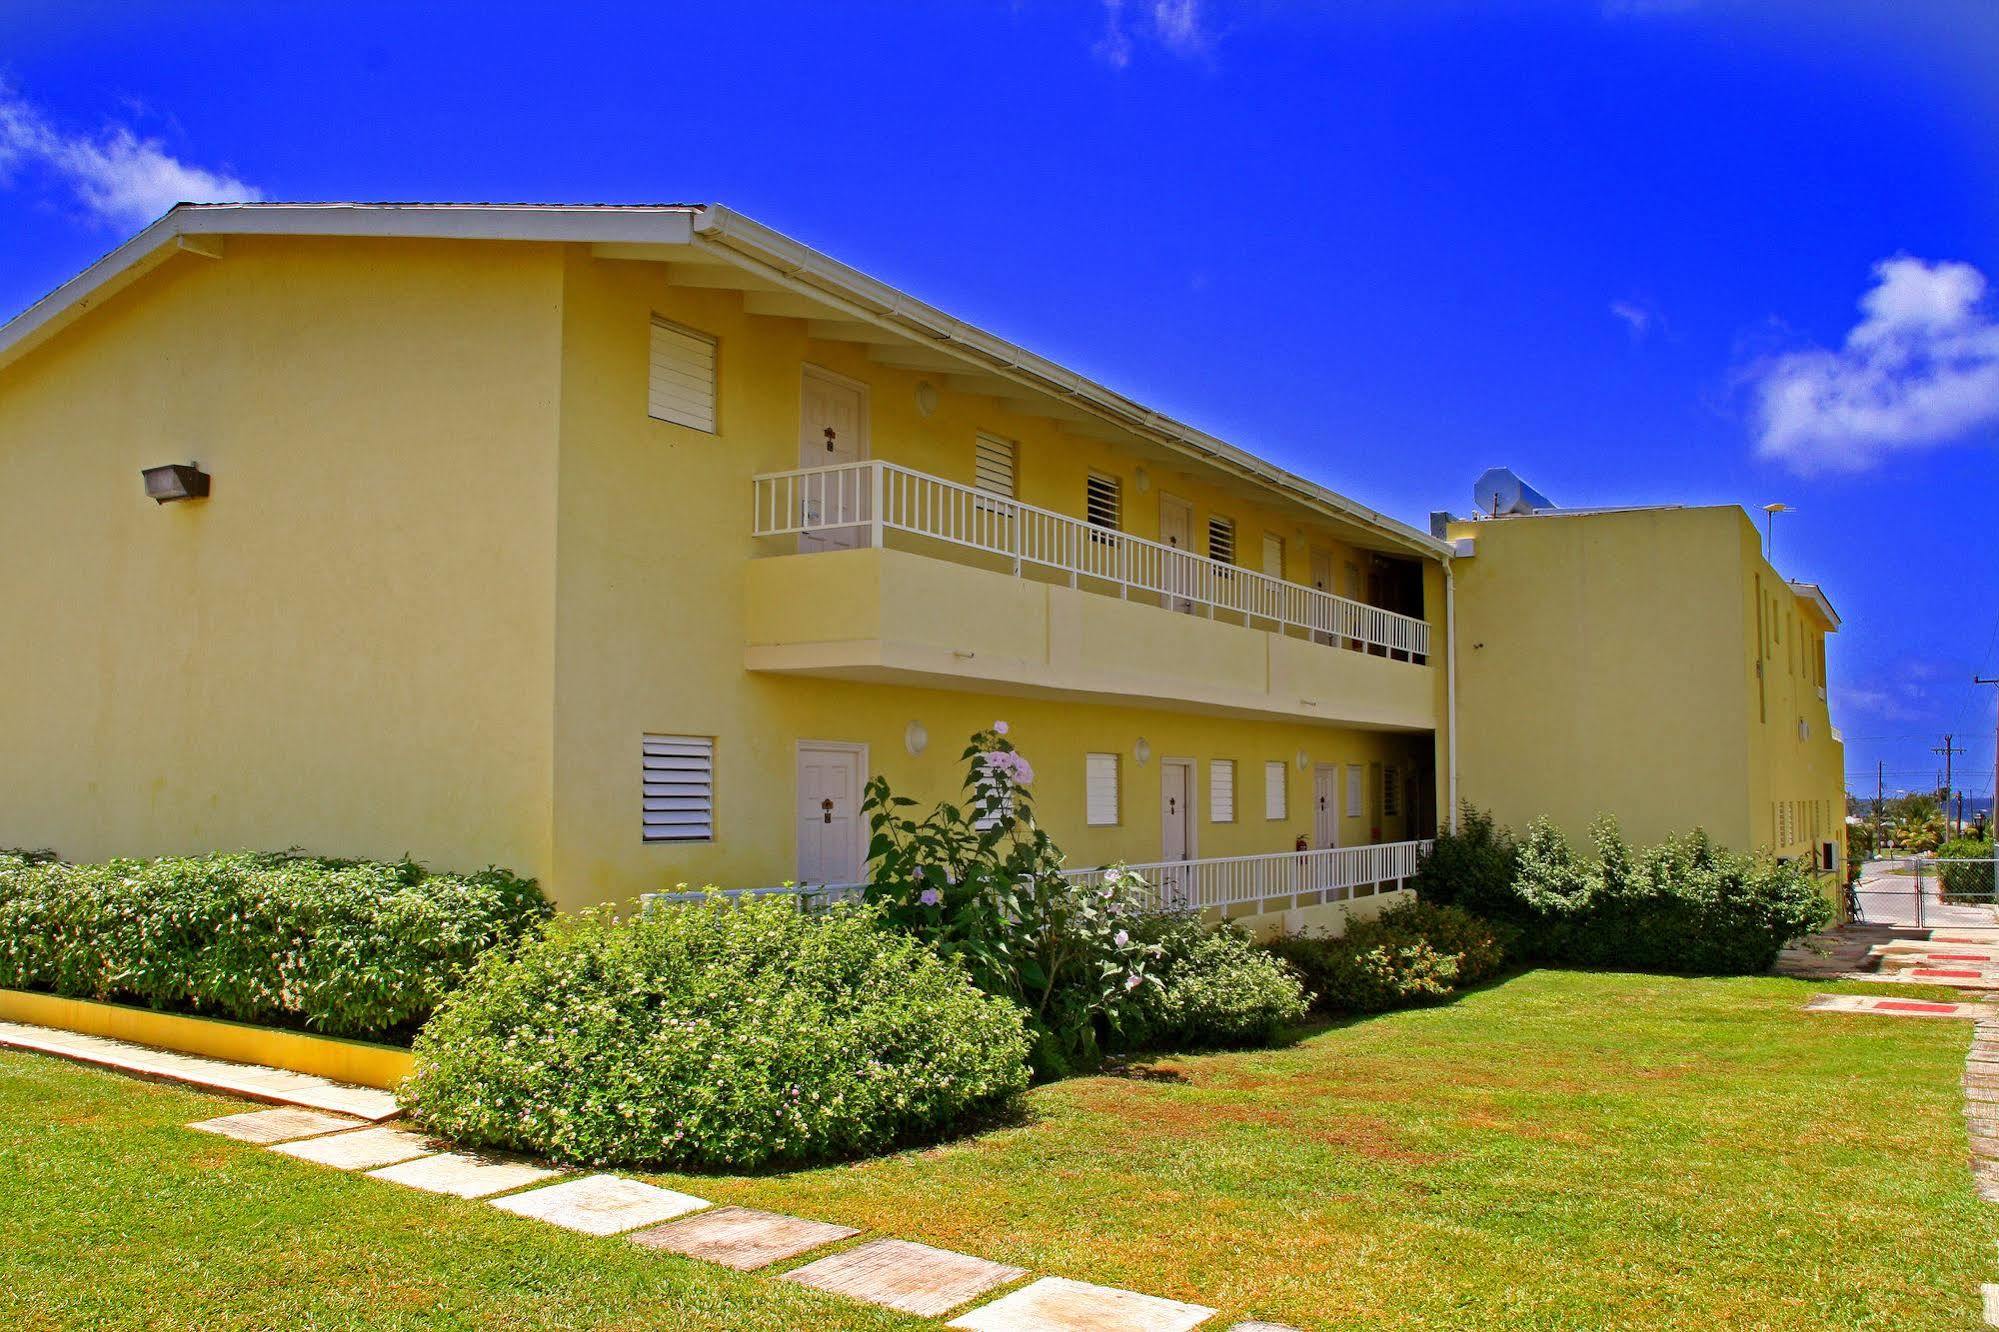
[1304, 843]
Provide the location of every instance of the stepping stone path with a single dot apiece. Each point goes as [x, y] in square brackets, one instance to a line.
[742, 1237]
[263, 1127]
[463, 1176]
[1869, 1003]
[1055, 1304]
[362, 1149]
[601, 1204]
[333, 1124]
[910, 1278]
[249, 1080]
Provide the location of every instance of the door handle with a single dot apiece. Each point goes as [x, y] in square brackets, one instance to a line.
[826, 810]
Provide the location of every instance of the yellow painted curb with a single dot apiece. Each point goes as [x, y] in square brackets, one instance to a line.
[357, 1062]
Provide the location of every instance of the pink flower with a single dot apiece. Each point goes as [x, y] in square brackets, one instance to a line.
[930, 897]
[999, 728]
[1132, 982]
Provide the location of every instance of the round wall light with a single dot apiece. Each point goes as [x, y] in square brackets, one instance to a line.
[914, 738]
[1142, 751]
[1142, 479]
[926, 397]
[1304, 760]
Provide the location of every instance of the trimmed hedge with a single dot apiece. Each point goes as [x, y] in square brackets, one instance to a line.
[1410, 954]
[1961, 881]
[343, 947]
[1686, 906]
[1207, 988]
[716, 1036]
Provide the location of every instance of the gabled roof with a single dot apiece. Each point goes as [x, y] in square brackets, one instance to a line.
[696, 234]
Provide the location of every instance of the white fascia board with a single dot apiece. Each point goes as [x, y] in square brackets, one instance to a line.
[777, 257]
[719, 232]
[1815, 595]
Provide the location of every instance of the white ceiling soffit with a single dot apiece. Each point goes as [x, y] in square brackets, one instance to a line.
[793, 281]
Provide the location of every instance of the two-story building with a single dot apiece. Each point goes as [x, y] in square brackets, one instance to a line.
[621, 545]
[1647, 663]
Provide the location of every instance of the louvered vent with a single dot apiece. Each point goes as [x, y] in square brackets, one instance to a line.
[679, 781]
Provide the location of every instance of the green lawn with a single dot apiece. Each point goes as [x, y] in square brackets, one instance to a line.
[1562, 1150]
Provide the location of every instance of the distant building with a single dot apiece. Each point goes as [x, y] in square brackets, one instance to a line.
[1645, 663]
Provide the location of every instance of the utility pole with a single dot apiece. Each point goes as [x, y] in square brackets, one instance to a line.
[1880, 777]
[1949, 751]
[1993, 823]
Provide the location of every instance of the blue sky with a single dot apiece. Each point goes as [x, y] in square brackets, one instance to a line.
[1619, 245]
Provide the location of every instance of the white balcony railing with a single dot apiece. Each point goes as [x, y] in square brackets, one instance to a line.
[858, 503]
[1226, 881]
[1192, 885]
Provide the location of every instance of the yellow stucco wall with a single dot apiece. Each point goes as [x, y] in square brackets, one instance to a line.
[451, 572]
[1607, 664]
[349, 646]
[653, 571]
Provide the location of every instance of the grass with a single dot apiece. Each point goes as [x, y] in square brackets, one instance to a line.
[1562, 1150]
[115, 1215]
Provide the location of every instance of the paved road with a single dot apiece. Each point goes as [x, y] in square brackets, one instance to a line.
[1887, 898]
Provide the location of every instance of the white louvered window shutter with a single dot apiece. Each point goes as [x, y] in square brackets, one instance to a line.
[1221, 791]
[679, 788]
[993, 465]
[1103, 501]
[1391, 792]
[1276, 796]
[1356, 776]
[1221, 539]
[682, 385]
[1100, 789]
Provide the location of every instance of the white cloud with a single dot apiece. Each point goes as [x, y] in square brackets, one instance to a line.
[1114, 47]
[1920, 369]
[118, 176]
[1635, 315]
[1175, 25]
[1178, 24]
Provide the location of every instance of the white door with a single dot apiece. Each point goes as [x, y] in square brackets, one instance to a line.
[830, 844]
[1176, 529]
[1326, 805]
[1322, 578]
[833, 429]
[1176, 825]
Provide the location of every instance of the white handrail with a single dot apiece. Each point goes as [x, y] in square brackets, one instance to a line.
[1226, 881]
[1194, 885]
[872, 497]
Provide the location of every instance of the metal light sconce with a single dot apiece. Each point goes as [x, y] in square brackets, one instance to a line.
[175, 481]
[1142, 751]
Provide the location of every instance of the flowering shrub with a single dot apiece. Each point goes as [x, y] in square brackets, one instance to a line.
[1410, 954]
[981, 882]
[1215, 988]
[350, 948]
[714, 1036]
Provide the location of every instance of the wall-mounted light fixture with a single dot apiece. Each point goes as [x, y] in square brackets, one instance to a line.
[1142, 751]
[1304, 760]
[915, 738]
[926, 398]
[175, 481]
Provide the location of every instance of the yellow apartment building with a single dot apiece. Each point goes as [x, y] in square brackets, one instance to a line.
[621, 545]
[1648, 663]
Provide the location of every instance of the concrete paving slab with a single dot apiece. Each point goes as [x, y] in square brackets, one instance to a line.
[742, 1237]
[363, 1149]
[601, 1204]
[284, 1124]
[463, 1175]
[909, 1278]
[1263, 1327]
[1989, 1297]
[1057, 1304]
